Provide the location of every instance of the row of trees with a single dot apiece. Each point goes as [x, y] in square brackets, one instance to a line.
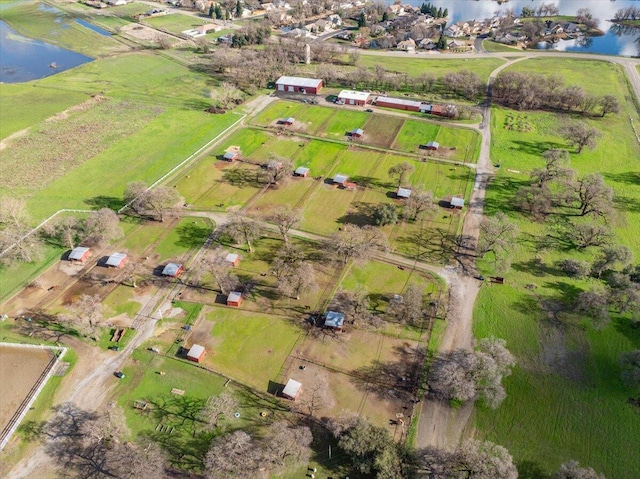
[436, 12]
[627, 13]
[531, 91]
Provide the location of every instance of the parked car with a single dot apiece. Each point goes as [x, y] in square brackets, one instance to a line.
[114, 348]
[119, 374]
[369, 110]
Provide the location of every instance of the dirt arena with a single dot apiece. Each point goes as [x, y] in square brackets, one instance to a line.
[20, 368]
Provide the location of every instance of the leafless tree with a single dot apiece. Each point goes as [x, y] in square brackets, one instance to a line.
[354, 305]
[401, 171]
[611, 256]
[132, 272]
[572, 470]
[497, 235]
[276, 170]
[316, 396]
[214, 263]
[624, 294]
[419, 204]
[102, 226]
[574, 267]
[595, 306]
[584, 235]
[163, 41]
[609, 104]
[580, 135]
[480, 460]
[155, 202]
[219, 407]
[299, 277]
[464, 375]
[241, 229]
[131, 461]
[66, 230]
[285, 218]
[86, 314]
[593, 196]
[630, 364]
[410, 309]
[556, 167]
[356, 243]
[14, 233]
[287, 445]
[535, 200]
[233, 456]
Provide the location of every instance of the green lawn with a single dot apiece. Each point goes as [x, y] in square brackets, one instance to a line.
[492, 46]
[251, 347]
[39, 20]
[415, 65]
[314, 117]
[175, 23]
[319, 156]
[42, 103]
[189, 234]
[415, 133]
[343, 121]
[565, 400]
[277, 111]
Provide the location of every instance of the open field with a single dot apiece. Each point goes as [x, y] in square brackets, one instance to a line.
[568, 371]
[492, 46]
[175, 23]
[414, 65]
[39, 20]
[20, 369]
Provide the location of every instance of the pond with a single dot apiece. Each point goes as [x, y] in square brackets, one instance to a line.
[23, 59]
[615, 41]
[93, 27]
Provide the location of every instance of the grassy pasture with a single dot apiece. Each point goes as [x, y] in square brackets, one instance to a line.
[42, 102]
[567, 378]
[42, 21]
[492, 46]
[190, 233]
[314, 118]
[382, 130]
[319, 156]
[251, 347]
[175, 23]
[415, 133]
[324, 209]
[414, 65]
[278, 110]
[343, 121]
[148, 153]
[286, 147]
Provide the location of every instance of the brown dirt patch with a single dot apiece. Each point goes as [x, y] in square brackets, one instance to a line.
[20, 368]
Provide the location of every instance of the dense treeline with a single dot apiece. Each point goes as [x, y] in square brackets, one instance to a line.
[529, 91]
[628, 13]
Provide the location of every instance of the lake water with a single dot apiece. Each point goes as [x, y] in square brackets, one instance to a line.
[93, 27]
[23, 59]
[615, 41]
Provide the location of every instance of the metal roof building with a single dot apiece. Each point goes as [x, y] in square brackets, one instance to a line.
[117, 260]
[299, 84]
[351, 97]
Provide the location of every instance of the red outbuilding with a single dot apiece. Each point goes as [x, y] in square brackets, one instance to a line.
[234, 299]
[196, 353]
[310, 86]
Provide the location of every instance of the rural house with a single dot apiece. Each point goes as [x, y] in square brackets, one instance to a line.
[299, 85]
[196, 353]
[79, 253]
[292, 389]
[172, 269]
[117, 260]
[234, 299]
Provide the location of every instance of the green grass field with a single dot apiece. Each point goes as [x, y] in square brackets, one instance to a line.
[415, 65]
[492, 46]
[565, 400]
[343, 121]
[251, 347]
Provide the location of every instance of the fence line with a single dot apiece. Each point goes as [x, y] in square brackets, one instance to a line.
[28, 401]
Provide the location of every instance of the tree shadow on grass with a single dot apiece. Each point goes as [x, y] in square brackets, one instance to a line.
[186, 451]
[502, 190]
[361, 215]
[537, 148]
[430, 245]
[111, 202]
[628, 177]
[628, 328]
[193, 235]
[241, 177]
[531, 470]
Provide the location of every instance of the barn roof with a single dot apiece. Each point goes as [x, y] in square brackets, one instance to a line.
[171, 269]
[230, 155]
[357, 131]
[234, 296]
[292, 388]
[231, 258]
[195, 351]
[457, 201]
[433, 144]
[399, 101]
[299, 82]
[354, 95]
[403, 192]
[334, 319]
[78, 252]
[339, 178]
[301, 170]
[116, 258]
[289, 119]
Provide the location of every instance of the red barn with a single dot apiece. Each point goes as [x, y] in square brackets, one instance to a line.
[233, 258]
[172, 269]
[196, 353]
[79, 254]
[234, 299]
[398, 103]
[117, 260]
[351, 97]
[299, 85]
